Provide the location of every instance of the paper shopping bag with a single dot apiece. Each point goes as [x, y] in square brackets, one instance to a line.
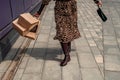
[21, 30]
[25, 23]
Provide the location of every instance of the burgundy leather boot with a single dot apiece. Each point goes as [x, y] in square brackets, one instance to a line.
[69, 47]
[65, 49]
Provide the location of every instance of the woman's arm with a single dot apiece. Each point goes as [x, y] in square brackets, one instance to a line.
[46, 2]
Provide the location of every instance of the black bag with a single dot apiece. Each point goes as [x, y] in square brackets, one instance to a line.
[101, 14]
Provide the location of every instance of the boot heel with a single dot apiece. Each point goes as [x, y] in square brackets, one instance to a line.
[65, 61]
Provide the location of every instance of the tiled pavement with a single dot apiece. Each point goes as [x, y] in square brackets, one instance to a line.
[111, 35]
[94, 56]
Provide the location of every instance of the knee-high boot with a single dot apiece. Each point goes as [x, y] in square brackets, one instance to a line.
[65, 49]
[69, 46]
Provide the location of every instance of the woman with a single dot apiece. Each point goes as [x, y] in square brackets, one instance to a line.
[66, 25]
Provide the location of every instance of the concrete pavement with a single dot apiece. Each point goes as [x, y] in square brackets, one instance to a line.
[111, 35]
[42, 63]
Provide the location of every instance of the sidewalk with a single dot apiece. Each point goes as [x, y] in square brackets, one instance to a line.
[43, 56]
[111, 35]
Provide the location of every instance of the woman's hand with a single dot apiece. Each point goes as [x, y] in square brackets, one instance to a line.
[99, 3]
[36, 15]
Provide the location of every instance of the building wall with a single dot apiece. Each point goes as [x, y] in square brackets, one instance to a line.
[10, 10]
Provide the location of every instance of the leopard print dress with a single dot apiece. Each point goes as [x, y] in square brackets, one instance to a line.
[66, 20]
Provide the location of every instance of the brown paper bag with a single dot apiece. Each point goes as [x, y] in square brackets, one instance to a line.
[22, 31]
[27, 21]
[25, 25]
[32, 34]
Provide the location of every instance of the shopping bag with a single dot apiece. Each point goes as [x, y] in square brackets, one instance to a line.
[32, 34]
[24, 25]
[27, 21]
[20, 29]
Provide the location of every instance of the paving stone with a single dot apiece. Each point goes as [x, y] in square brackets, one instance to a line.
[94, 34]
[23, 63]
[117, 32]
[51, 67]
[100, 46]
[29, 49]
[118, 39]
[81, 42]
[111, 50]
[43, 38]
[39, 50]
[52, 41]
[93, 45]
[53, 32]
[87, 61]
[109, 38]
[72, 70]
[88, 35]
[52, 70]
[112, 75]
[46, 28]
[53, 54]
[83, 49]
[34, 65]
[32, 76]
[108, 31]
[99, 59]
[46, 23]
[110, 42]
[112, 62]
[18, 74]
[54, 46]
[95, 50]
[92, 74]
[45, 31]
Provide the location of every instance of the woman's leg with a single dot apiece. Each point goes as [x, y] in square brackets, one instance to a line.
[69, 45]
[65, 49]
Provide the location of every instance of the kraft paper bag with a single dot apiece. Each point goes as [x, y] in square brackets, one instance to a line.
[27, 21]
[21, 30]
[26, 24]
[33, 33]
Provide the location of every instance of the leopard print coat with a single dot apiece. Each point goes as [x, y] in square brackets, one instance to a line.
[66, 20]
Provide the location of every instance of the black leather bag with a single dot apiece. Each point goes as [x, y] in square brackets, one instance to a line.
[101, 14]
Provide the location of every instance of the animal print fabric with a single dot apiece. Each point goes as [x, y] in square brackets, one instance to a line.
[66, 20]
